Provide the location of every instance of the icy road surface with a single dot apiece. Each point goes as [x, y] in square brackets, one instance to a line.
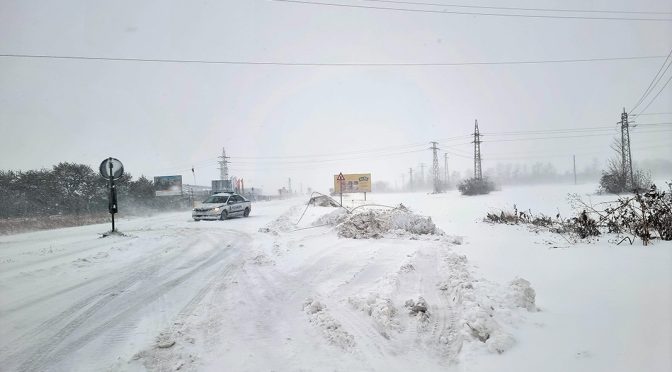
[223, 296]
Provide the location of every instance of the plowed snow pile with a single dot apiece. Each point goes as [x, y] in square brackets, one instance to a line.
[281, 224]
[386, 223]
[485, 310]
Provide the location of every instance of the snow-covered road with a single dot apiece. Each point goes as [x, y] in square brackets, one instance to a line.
[174, 294]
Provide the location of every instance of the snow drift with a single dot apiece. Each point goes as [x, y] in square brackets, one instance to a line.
[376, 223]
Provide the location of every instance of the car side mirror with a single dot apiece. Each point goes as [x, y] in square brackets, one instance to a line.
[230, 202]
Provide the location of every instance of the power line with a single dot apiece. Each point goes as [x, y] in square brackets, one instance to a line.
[452, 12]
[516, 8]
[653, 82]
[563, 137]
[651, 124]
[360, 152]
[543, 131]
[655, 113]
[567, 130]
[657, 94]
[320, 161]
[321, 64]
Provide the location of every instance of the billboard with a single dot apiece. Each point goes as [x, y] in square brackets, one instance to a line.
[168, 185]
[221, 185]
[359, 182]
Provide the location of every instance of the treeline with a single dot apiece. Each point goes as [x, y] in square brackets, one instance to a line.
[74, 189]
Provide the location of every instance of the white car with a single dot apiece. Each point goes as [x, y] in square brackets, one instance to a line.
[222, 206]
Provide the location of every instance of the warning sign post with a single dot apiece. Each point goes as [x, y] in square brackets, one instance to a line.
[340, 180]
[352, 183]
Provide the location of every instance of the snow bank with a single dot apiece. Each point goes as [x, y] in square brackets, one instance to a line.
[483, 309]
[283, 223]
[374, 224]
[331, 328]
[522, 294]
[381, 310]
[332, 218]
[323, 201]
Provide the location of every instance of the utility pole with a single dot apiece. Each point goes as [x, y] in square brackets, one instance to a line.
[445, 169]
[410, 177]
[478, 174]
[223, 166]
[422, 174]
[403, 181]
[289, 185]
[626, 158]
[574, 156]
[193, 173]
[435, 168]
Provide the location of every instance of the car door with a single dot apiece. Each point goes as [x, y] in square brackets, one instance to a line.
[237, 206]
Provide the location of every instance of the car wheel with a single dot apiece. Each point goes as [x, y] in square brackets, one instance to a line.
[224, 215]
[247, 212]
[196, 219]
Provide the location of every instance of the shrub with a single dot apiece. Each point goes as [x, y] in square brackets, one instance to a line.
[614, 180]
[473, 186]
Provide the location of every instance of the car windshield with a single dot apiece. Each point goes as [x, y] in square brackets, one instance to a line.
[215, 199]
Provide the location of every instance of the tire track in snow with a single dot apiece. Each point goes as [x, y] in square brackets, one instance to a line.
[48, 355]
[135, 300]
[131, 277]
[165, 358]
[142, 262]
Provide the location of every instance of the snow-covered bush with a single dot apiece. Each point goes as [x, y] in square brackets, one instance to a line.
[582, 226]
[474, 186]
[614, 180]
[646, 215]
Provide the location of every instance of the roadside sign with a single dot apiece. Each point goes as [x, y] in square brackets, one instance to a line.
[111, 167]
[352, 183]
[340, 179]
[167, 185]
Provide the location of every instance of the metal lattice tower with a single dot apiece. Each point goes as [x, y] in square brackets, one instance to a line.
[445, 169]
[410, 177]
[626, 158]
[223, 166]
[422, 175]
[435, 168]
[478, 174]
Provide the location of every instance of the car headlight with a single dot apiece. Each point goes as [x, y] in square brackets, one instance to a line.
[216, 209]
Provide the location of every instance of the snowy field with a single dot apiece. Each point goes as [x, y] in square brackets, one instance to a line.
[256, 294]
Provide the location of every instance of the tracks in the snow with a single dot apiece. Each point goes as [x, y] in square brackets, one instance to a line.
[114, 308]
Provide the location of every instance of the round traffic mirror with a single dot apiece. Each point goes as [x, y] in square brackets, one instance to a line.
[111, 166]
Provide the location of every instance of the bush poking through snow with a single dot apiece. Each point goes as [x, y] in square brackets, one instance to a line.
[614, 179]
[646, 216]
[473, 186]
[581, 226]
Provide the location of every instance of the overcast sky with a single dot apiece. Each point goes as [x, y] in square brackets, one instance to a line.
[162, 118]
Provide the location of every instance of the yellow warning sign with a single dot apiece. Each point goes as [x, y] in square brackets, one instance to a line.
[359, 182]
